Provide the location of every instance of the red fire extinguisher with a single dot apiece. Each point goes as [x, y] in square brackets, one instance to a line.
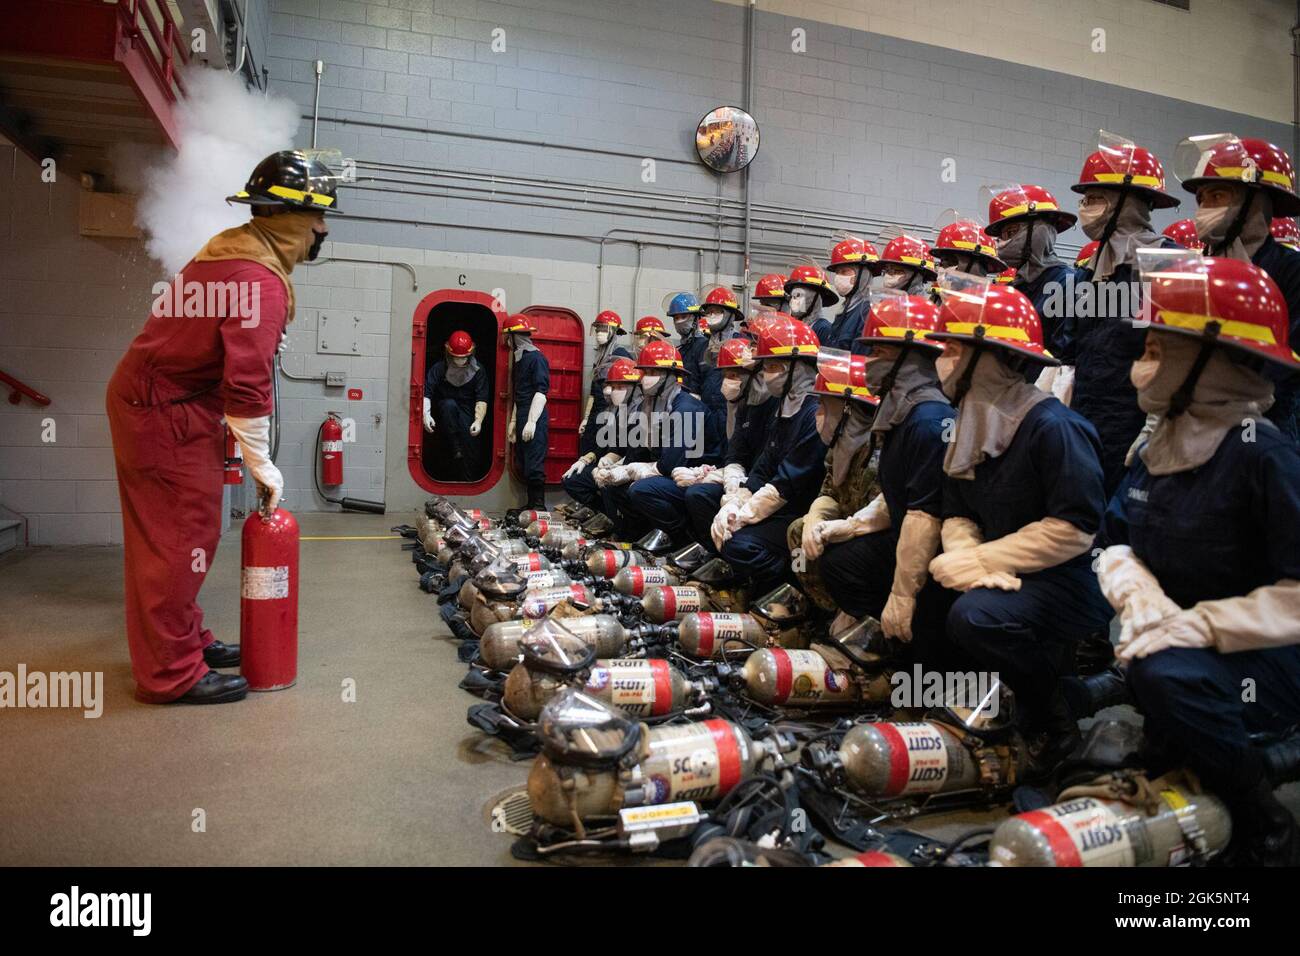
[268, 611]
[331, 450]
[234, 460]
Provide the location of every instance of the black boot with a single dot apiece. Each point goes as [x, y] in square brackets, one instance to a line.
[1087, 695]
[1282, 759]
[1052, 736]
[217, 654]
[1094, 653]
[537, 495]
[1264, 832]
[214, 688]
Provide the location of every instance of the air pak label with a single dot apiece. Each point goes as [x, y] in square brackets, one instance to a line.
[695, 762]
[1084, 832]
[716, 630]
[635, 686]
[919, 762]
[265, 584]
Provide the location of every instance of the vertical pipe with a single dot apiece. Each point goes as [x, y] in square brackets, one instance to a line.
[1295, 86]
[749, 108]
[315, 109]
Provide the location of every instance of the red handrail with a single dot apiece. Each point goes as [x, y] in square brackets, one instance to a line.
[164, 37]
[19, 390]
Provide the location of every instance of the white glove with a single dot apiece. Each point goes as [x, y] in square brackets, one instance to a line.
[480, 410]
[685, 477]
[534, 414]
[1133, 591]
[284, 343]
[959, 570]
[609, 459]
[618, 475]
[714, 476]
[811, 542]
[582, 425]
[641, 469]
[761, 505]
[918, 542]
[724, 523]
[873, 517]
[428, 417]
[733, 477]
[1185, 629]
[254, 437]
[896, 618]
[601, 476]
[578, 466]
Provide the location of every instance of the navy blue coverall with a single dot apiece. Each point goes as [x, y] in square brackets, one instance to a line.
[531, 375]
[453, 410]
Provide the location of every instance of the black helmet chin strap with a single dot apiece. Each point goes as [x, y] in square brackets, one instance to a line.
[1111, 224]
[1182, 399]
[887, 383]
[1238, 224]
[839, 427]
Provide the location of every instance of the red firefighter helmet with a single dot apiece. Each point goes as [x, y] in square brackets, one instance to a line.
[1254, 162]
[771, 286]
[1183, 232]
[736, 353]
[909, 251]
[622, 370]
[902, 320]
[651, 324]
[459, 344]
[852, 251]
[609, 319]
[992, 314]
[811, 276]
[1285, 231]
[843, 375]
[1119, 163]
[518, 324]
[1014, 202]
[785, 337]
[1227, 301]
[1006, 276]
[966, 237]
[1086, 253]
[721, 295]
[659, 354]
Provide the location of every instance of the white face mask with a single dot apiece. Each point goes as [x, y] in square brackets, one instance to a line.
[641, 339]
[602, 337]
[717, 319]
[1144, 370]
[774, 379]
[616, 396]
[1212, 223]
[946, 365]
[829, 413]
[896, 280]
[684, 324]
[1092, 219]
[801, 301]
[843, 283]
[460, 361]
[731, 389]
[650, 383]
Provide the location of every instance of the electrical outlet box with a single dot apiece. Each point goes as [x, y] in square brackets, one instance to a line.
[338, 334]
[336, 379]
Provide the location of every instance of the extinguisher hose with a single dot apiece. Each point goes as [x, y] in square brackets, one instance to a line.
[347, 504]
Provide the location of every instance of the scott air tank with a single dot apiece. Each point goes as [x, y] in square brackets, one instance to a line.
[1088, 831]
[499, 646]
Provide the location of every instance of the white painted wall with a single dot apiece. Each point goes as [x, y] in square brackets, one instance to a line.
[1230, 54]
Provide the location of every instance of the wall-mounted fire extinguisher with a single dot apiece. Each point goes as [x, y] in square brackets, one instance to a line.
[268, 607]
[331, 450]
[234, 460]
[330, 470]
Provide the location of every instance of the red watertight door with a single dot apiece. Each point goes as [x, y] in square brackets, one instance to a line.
[559, 336]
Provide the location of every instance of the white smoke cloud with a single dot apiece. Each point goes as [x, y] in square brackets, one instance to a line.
[224, 131]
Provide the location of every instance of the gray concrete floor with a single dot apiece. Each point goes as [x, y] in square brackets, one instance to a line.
[286, 778]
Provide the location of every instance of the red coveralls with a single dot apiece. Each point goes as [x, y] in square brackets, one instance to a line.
[165, 402]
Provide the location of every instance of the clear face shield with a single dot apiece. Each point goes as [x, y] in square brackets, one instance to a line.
[500, 580]
[552, 648]
[579, 730]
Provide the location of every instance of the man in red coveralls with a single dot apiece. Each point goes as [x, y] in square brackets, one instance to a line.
[205, 351]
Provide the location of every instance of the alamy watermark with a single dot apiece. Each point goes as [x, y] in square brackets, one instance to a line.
[620, 428]
[74, 690]
[1093, 300]
[181, 299]
[966, 690]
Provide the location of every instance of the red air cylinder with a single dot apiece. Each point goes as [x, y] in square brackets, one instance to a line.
[268, 608]
[331, 451]
[234, 460]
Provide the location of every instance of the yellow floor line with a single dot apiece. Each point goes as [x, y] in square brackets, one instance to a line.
[349, 537]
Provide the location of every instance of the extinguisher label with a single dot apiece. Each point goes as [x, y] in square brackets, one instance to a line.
[265, 584]
[335, 445]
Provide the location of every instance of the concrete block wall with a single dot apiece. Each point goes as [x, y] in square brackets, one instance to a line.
[859, 123]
